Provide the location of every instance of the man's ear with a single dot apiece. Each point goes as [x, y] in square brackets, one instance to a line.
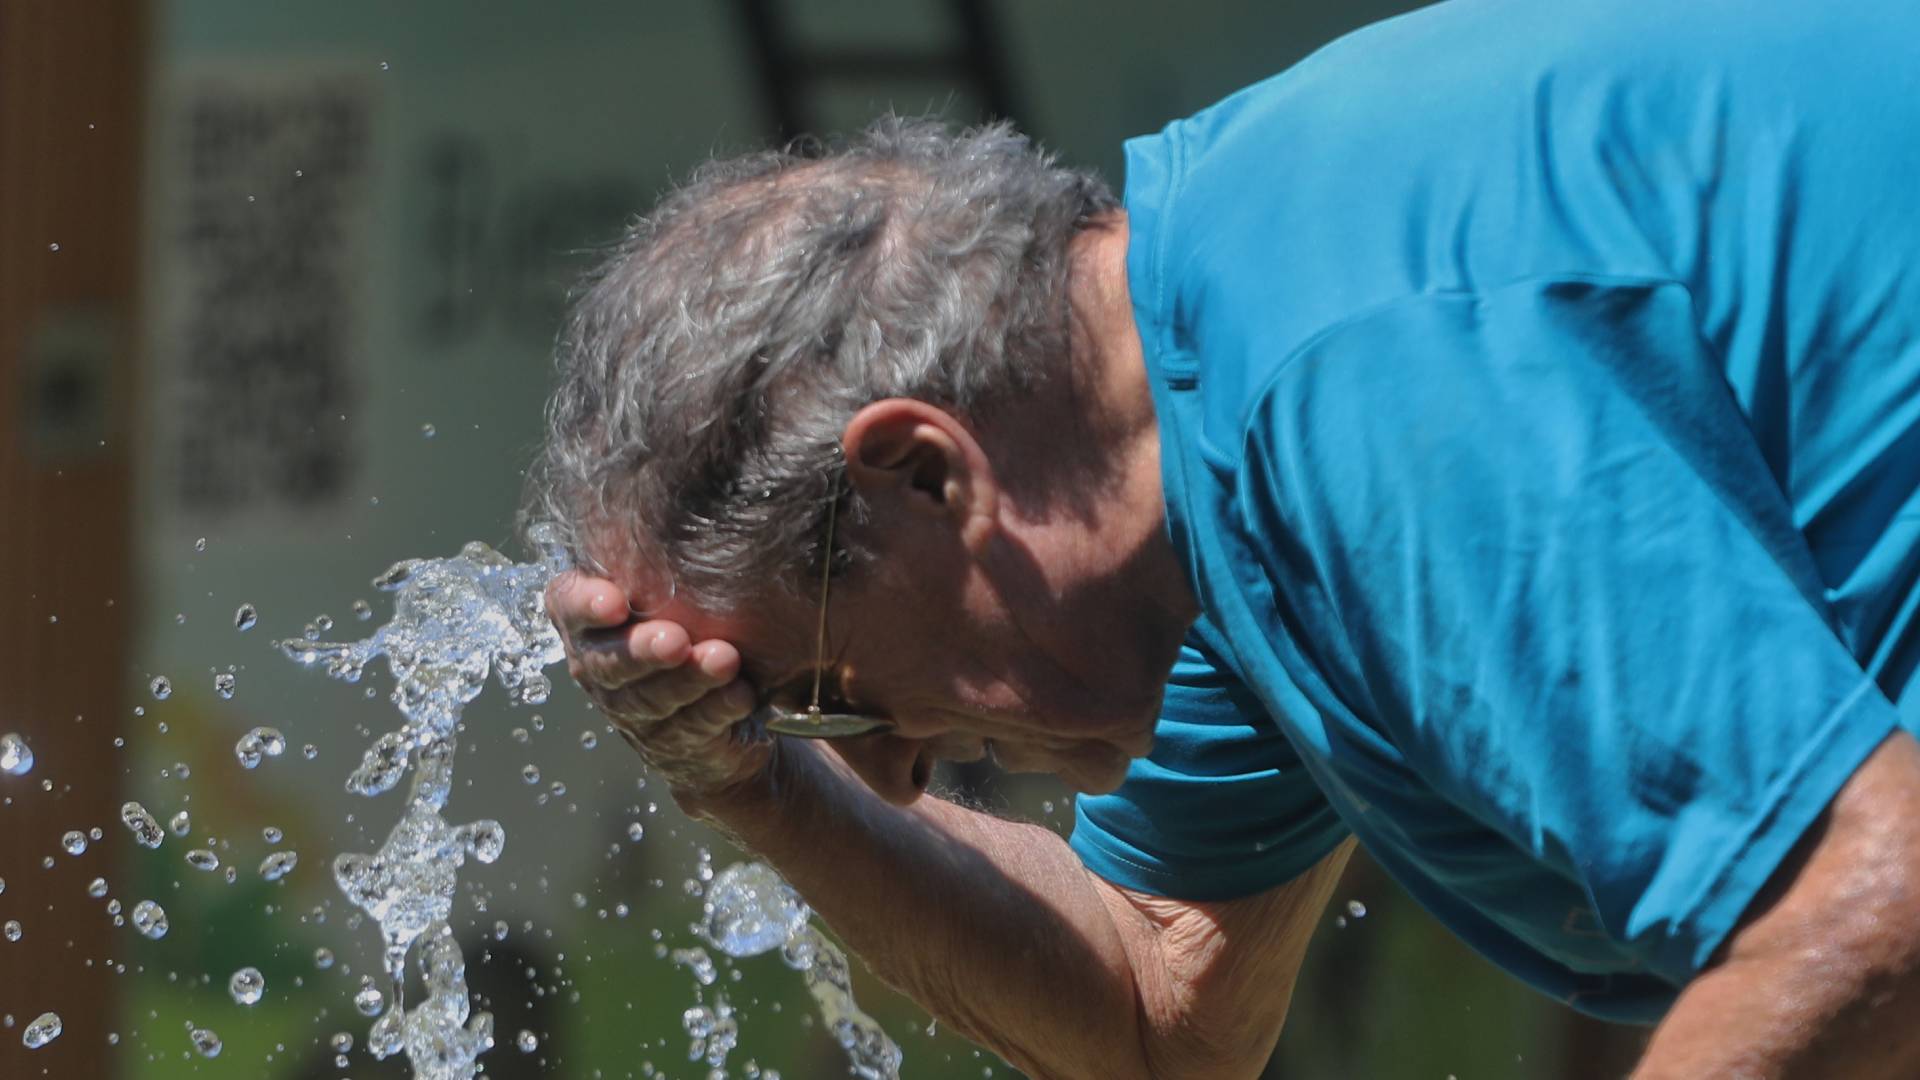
[924, 460]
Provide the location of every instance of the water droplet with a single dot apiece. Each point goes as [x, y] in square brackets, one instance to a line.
[278, 865]
[150, 919]
[53, 247]
[244, 617]
[180, 823]
[636, 831]
[484, 840]
[309, 751]
[427, 431]
[588, 740]
[75, 842]
[369, 1000]
[342, 1042]
[162, 687]
[11, 929]
[384, 65]
[16, 757]
[530, 773]
[44, 1029]
[200, 544]
[97, 888]
[202, 859]
[247, 985]
[526, 1041]
[697, 963]
[205, 1042]
[146, 831]
[519, 734]
[258, 743]
[271, 834]
[248, 751]
[749, 910]
[1356, 909]
[223, 684]
[362, 610]
[323, 958]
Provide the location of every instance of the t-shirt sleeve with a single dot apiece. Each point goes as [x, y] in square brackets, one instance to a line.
[1570, 589]
[1221, 808]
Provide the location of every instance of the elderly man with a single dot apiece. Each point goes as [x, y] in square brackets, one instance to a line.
[1496, 439]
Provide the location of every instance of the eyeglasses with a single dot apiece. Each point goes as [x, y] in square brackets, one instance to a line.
[812, 722]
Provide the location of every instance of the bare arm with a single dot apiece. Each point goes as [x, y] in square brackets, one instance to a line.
[993, 926]
[1823, 978]
[997, 929]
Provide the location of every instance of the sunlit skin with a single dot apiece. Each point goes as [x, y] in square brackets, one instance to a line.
[989, 619]
[987, 622]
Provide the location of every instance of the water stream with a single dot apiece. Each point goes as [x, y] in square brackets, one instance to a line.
[457, 620]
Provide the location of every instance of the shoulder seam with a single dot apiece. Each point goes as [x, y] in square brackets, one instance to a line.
[1354, 318]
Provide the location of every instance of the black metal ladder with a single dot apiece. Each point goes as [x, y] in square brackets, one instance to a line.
[790, 72]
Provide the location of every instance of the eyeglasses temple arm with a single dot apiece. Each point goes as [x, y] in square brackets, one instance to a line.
[820, 634]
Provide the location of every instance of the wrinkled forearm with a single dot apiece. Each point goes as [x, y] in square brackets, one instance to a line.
[992, 926]
[1822, 980]
[1794, 1017]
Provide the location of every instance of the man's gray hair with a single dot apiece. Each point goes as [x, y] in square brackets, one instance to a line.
[710, 364]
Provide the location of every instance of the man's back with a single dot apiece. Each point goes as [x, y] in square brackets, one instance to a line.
[1765, 157]
[1541, 387]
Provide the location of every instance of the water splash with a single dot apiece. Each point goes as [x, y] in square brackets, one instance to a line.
[749, 910]
[455, 621]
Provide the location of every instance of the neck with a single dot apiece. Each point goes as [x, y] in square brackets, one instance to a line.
[1088, 574]
[1108, 358]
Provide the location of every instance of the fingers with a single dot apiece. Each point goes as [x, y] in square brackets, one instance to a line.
[578, 602]
[612, 659]
[661, 692]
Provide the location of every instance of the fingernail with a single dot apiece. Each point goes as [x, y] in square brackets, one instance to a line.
[662, 645]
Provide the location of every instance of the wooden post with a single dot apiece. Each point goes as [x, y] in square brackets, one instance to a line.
[71, 119]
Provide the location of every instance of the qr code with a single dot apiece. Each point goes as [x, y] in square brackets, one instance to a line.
[259, 253]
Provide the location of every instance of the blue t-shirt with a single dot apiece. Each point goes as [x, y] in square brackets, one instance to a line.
[1539, 391]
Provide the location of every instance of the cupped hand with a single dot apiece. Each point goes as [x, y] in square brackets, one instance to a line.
[678, 702]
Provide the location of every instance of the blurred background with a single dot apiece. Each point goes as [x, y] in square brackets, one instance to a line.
[277, 288]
